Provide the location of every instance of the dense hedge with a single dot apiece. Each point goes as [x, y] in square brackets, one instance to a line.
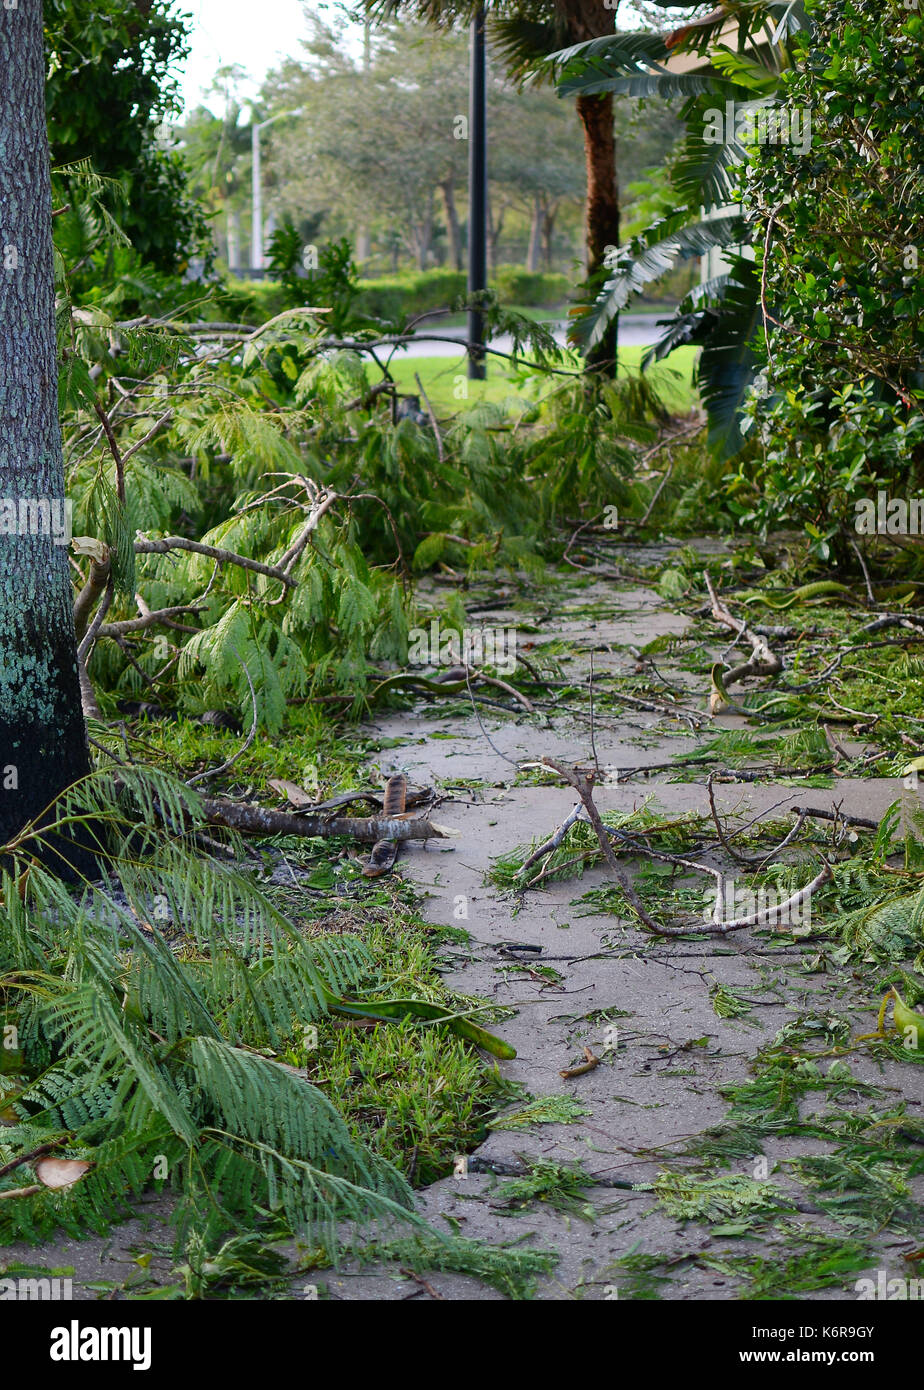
[410, 293]
[842, 409]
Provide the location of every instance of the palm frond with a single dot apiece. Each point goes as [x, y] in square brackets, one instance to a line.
[649, 256]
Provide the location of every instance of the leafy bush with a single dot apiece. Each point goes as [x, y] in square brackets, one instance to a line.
[840, 412]
[394, 299]
[411, 293]
[530, 288]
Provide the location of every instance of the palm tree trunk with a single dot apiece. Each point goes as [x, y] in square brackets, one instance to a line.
[601, 218]
[43, 744]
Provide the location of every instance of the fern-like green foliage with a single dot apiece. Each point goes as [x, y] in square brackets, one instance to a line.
[510, 1269]
[145, 1006]
[688, 1198]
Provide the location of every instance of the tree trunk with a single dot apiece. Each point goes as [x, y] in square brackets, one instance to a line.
[601, 219]
[452, 223]
[548, 231]
[535, 234]
[234, 240]
[421, 236]
[494, 235]
[43, 744]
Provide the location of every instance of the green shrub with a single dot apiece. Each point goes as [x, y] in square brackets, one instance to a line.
[840, 414]
[410, 293]
[531, 288]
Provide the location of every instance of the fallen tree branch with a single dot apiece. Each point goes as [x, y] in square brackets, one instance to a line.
[582, 787]
[260, 820]
[762, 662]
[821, 814]
[144, 546]
[157, 615]
[554, 840]
[320, 505]
[763, 917]
[28, 1157]
[97, 579]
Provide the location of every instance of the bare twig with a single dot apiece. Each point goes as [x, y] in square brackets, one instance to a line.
[114, 450]
[723, 839]
[440, 451]
[866, 579]
[590, 1063]
[155, 429]
[554, 840]
[582, 787]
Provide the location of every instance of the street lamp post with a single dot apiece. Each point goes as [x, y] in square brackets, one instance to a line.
[477, 195]
[256, 254]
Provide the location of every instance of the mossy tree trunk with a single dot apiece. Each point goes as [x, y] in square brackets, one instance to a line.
[43, 745]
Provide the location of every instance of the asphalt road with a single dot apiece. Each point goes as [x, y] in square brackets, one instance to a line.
[635, 330]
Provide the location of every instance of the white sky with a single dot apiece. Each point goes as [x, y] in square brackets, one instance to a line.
[254, 33]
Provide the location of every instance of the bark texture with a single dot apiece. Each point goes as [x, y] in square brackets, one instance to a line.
[43, 746]
[602, 215]
[447, 188]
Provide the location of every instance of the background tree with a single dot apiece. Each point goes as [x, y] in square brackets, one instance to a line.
[705, 177]
[385, 146]
[524, 32]
[376, 146]
[111, 81]
[42, 736]
[217, 150]
[534, 164]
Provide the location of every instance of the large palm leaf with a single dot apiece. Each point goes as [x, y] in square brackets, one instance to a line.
[649, 256]
[723, 316]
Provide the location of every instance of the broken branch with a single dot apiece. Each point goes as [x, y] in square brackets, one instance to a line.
[259, 820]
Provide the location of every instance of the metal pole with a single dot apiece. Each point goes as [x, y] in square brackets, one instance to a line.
[477, 196]
[256, 235]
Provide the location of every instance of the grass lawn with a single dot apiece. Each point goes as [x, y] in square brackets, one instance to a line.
[444, 378]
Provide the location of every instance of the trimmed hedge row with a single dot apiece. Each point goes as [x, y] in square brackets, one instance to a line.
[420, 292]
[410, 293]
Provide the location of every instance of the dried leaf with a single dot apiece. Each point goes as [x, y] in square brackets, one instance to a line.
[296, 796]
[61, 1172]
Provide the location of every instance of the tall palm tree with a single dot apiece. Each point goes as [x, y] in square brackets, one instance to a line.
[742, 49]
[524, 32]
